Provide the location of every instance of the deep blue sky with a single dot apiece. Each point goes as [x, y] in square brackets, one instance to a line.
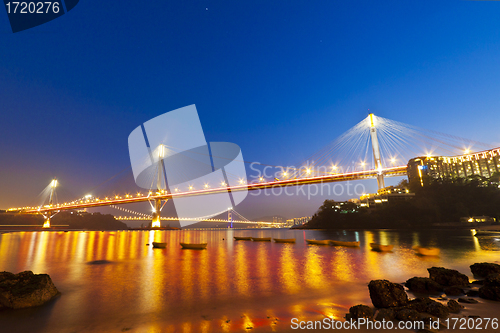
[279, 78]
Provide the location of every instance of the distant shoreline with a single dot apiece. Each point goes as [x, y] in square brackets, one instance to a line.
[462, 227]
[4, 229]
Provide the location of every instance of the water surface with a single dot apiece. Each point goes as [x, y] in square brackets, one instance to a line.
[114, 281]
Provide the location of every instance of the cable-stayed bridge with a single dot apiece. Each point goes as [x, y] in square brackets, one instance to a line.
[375, 148]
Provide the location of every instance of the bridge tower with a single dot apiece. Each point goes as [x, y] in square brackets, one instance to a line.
[230, 217]
[376, 152]
[161, 182]
[53, 185]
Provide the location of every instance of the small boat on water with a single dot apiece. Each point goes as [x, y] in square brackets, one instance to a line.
[341, 243]
[242, 238]
[426, 251]
[200, 246]
[284, 240]
[261, 239]
[318, 242]
[158, 245]
[381, 248]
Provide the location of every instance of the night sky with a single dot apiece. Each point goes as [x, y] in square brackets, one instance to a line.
[279, 78]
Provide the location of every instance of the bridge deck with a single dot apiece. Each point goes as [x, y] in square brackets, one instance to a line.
[368, 174]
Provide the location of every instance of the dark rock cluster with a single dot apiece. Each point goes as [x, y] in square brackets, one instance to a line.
[454, 306]
[360, 311]
[491, 287]
[440, 279]
[25, 289]
[448, 277]
[491, 284]
[484, 269]
[424, 285]
[391, 301]
[385, 294]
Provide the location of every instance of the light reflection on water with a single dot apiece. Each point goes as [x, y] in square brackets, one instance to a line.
[230, 286]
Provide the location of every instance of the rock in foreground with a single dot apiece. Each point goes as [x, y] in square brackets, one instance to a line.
[427, 305]
[448, 277]
[360, 311]
[424, 285]
[484, 269]
[454, 306]
[491, 288]
[25, 289]
[385, 294]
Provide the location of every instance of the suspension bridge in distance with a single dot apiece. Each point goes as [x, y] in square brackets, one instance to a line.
[339, 161]
[230, 220]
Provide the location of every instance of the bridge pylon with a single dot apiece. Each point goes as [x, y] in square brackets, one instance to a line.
[230, 217]
[376, 152]
[161, 184]
[53, 185]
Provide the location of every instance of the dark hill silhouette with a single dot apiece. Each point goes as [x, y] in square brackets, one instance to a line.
[439, 201]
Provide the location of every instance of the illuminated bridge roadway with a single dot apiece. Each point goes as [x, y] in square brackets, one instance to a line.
[390, 139]
[332, 177]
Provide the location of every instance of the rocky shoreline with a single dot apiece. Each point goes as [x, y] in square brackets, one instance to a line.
[25, 289]
[391, 302]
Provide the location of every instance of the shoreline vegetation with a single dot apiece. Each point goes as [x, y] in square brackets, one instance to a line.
[438, 204]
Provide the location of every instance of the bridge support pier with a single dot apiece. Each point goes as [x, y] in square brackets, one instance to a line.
[46, 223]
[156, 222]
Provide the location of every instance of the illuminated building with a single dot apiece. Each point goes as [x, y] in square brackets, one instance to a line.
[478, 219]
[387, 194]
[484, 164]
[297, 221]
[277, 219]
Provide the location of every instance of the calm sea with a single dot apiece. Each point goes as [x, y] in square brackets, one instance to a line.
[231, 286]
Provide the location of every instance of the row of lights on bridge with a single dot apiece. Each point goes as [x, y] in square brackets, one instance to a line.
[89, 198]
